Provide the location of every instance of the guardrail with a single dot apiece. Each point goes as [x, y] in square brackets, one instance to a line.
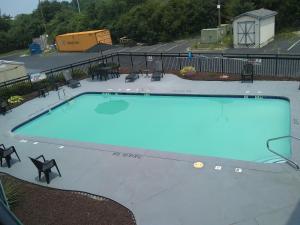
[290, 162]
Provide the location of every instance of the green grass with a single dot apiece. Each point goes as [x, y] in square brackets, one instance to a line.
[223, 44]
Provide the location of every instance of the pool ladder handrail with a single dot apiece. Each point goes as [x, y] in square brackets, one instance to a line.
[58, 93]
[290, 162]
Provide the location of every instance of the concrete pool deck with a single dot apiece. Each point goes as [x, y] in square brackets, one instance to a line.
[163, 188]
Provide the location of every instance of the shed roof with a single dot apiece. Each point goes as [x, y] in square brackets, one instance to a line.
[259, 14]
[84, 32]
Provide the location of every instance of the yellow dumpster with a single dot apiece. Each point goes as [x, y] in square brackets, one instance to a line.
[82, 41]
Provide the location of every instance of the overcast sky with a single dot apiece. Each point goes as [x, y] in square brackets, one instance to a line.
[14, 7]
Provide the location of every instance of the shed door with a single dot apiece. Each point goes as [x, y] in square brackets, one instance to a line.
[246, 33]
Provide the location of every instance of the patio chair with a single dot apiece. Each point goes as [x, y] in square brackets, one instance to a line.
[247, 73]
[6, 153]
[158, 72]
[70, 81]
[43, 92]
[45, 166]
[114, 69]
[132, 77]
[4, 106]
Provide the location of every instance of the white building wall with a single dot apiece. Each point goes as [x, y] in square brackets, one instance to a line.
[264, 31]
[267, 31]
[235, 30]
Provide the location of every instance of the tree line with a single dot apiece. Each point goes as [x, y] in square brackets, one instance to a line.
[147, 21]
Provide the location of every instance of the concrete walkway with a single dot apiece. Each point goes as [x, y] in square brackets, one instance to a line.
[163, 188]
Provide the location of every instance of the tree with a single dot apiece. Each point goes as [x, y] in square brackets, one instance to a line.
[236, 7]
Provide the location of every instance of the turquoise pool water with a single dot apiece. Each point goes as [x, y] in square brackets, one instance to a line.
[235, 128]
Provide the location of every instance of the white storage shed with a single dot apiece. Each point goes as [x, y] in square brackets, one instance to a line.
[254, 29]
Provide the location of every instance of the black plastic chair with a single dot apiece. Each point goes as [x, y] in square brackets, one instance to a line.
[4, 106]
[43, 92]
[247, 73]
[6, 153]
[45, 166]
[158, 72]
[132, 77]
[72, 83]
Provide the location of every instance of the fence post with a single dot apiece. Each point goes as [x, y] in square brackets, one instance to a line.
[31, 86]
[200, 63]
[162, 63]
[146, 62]
[222, 57]
[276, 65]
[179, 61]
[131, 61]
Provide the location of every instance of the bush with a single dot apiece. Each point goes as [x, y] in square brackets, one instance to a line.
[188, 71]
[78, 74]
[15, 99]
[17, 89]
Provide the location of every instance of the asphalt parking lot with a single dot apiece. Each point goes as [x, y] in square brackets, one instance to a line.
[39, 63]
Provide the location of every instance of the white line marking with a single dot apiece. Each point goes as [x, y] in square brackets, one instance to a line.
[247, 92]
[293, 45]
[128, 89]
[169, 49]
[238, 170]
[23, 141]
[35, 143]
[61, 147]
[157, 46]
[218, 167]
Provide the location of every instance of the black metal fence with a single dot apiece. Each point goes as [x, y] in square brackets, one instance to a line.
[285, 66]
[277, 66]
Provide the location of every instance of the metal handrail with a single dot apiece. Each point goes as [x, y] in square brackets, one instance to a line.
[292, 163]
[7, 216]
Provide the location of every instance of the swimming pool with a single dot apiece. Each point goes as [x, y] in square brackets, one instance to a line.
[227, 127]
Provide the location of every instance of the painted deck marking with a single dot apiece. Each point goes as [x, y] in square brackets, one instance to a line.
[61, 147]
[218, 167]
[238, 170]
[293, 45]
[23, 141]
[35, 143]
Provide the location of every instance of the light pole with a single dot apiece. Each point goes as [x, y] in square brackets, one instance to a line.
[219, 13]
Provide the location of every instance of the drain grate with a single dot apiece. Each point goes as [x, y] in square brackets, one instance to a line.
[128, 155]
[295, 122]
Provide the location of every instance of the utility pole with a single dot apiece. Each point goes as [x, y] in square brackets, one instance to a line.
[43, 18]
[219, 13]
[78, 6]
